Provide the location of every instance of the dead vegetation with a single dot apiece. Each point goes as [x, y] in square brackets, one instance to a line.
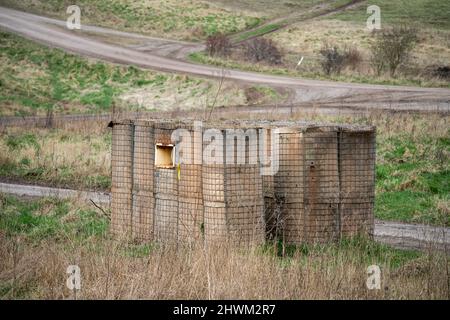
[391, 48]
[334, 58]
[116, 270]
[218, 44]
[262, 49]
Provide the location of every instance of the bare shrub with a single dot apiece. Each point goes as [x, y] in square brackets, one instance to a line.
[333, 59]
[392, 48]
[261, 49]
[352, 57]
[218, 45]
[438, 71]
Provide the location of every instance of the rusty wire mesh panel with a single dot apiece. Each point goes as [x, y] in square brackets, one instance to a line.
[323, 188]
[265, 158]
[232, 193]
[321, 185]
[122, 179]
[190, 201]
[190, 220]
[244, 203]
[357, 168]
[166, 191]
[143, 174]
[166, 209]
[288, 188]
[190, 191]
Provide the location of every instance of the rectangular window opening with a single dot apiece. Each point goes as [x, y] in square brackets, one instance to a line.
[164, 156]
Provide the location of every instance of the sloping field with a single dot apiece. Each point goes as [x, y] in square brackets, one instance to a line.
[175, 19]
[35, 79]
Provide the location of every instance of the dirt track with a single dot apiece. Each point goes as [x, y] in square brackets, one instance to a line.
[159, 54]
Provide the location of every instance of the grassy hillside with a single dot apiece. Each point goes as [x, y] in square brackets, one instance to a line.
[34, 79]
[269, 8]
[347, 29]
[176, 19]
[424, 13]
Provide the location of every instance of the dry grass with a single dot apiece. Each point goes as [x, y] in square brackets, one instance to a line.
[113, 270]
[182, 91]
[268, 8]
[71, 157]
[306, 38]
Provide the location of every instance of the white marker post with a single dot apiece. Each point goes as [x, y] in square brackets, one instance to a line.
[300, 62]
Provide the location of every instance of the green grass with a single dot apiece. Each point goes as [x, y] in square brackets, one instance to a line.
[264, 95]
[35, 79]
[16, 142]
[268, 91]
[48, 218]
[413, 179]
[429, 13]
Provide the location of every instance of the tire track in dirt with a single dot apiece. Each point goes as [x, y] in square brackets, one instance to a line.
[283, 22]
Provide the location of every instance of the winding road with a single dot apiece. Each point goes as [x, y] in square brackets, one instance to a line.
[167, 55]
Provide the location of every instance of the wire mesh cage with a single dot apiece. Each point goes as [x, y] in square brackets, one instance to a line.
[184, 182]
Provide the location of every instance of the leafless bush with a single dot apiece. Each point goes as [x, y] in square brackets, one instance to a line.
[438, 71]
[333, 59]
[392, 48]
[352, 57]
[218, 45]
[261, 49]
